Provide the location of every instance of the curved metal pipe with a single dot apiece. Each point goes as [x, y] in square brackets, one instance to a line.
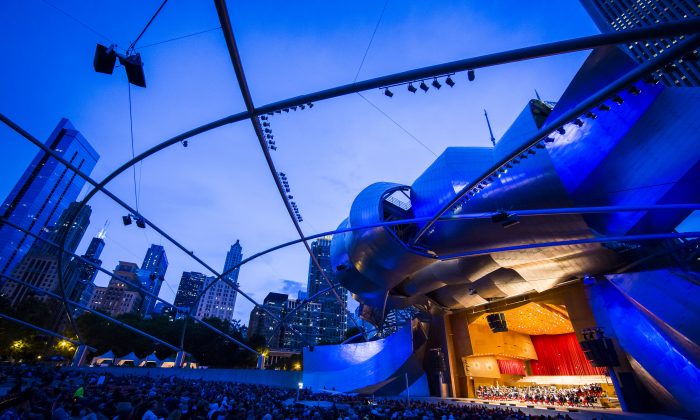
[638, 72]
[43, 330]
[85, 308]
[604, 239]
[294, 310]
[227, 30]
[136, 285]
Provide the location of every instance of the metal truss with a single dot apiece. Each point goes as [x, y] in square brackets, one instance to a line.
[585, 43]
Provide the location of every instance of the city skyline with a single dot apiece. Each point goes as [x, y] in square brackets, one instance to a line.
[318, 148]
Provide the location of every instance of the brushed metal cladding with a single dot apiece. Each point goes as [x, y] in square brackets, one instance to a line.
[454, 169]
[377, 253]
[638, 152]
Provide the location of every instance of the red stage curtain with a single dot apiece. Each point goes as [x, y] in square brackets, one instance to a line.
[560, 355]
[511, 367]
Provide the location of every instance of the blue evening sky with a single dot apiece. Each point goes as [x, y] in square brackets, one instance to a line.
[218, 189]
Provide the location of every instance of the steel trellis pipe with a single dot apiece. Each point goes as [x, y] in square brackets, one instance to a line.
[294, 310]
[604, 239]
[43, 330]
[36, 142]
[227, 30]
[592, 101]
[85, 308]
[138, 286]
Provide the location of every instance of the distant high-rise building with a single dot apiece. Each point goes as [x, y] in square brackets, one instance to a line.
[217, 301]
[233, 258]
[191, 284]
[263, 324]
[334, 320]
[152, 274]
[40, 266]
[43, 193]
[82, 272]
[617, 15]
[302, 326]
[118, 297]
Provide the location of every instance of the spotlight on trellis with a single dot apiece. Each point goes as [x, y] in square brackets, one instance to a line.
[412, 88]
[578, 122]
[436, 84]
[470, 75]
[634, 90]
[388, 93]
[604, 107]
[547, 140]
[561, 130]
[618, 100]
[591, 115]
[126, 220]
[266, 124]
[651, 80]
[449, 81]
[185, 143]
[140, 222]
[423, 86]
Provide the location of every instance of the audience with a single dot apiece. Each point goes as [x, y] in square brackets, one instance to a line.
[34, 392]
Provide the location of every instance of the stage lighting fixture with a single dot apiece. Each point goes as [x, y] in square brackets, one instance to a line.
[423, 86]
[264, 117]
[634, 90]
[278, 111]
[134, 69]
[302, 106]
[449, 81]
[126, 220]
[470, 75]
[266, 124]
[651, 80]
[105, 58]
[561, 130]
[591, 115]
[291, 197]
[267, 130]
[273, 148]
[310, 105]
[472, 291]
[531, 151]
[140, 223]
[540, 145]
[578, 122]
[509, 166]
[286, 110]
[412, 88]
[185, 143]
[548, 140]
[283, 175]
[436, 84]
[270, 113]
[618, 100]
[388, 93]
[294, 108]
[603, 107]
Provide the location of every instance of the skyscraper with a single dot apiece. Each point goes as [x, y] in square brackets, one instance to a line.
[191, 284]
[616, 15]
[40, 265]
[152, 274]
[217, 301]
[118, 297]
[334, 320]
[81, 275]
[233, 258]
[43, 192]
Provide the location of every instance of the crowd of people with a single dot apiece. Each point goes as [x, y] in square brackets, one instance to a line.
[50, 393]
[573, 396]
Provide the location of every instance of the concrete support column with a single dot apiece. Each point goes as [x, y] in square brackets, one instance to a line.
[180, 359]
